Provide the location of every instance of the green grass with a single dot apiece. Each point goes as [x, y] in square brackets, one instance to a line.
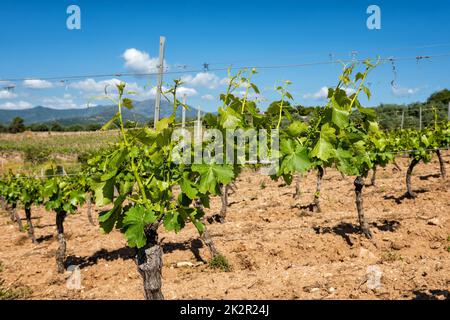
[42, 144]
[220, 262]
[30, 152]
[392, 256]
[13, 292]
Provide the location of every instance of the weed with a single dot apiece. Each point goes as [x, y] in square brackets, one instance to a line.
[13, 292]
[220, 262]
[392, 256]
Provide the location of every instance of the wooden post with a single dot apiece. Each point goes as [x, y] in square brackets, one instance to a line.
[199, 124]
[183, 113]
[162, 41]
[448, 118]
[420, 117]
[403, 118]
[448, 112]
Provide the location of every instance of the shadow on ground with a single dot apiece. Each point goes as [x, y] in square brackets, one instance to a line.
[344, 229]
[127, 253]
[431, 295]
[399, 200]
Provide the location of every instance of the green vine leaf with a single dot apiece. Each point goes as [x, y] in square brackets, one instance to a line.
[134, 223]
[211, 175]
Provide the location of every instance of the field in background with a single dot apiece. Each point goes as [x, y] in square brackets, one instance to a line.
[29, 151]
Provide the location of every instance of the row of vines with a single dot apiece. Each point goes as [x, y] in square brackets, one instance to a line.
[142, 188]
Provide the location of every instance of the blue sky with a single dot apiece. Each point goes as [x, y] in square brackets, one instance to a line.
[122, 36]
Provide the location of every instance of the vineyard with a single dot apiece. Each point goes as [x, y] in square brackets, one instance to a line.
[345, 195]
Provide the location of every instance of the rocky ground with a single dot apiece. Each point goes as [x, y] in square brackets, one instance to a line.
[275, 251]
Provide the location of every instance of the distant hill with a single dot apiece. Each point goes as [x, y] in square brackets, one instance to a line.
[143, 111]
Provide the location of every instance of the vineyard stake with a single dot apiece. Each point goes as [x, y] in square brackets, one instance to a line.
[403, 118]
[448, 112]
[420, 118]
[162, 41]
[183, 113]
[199, 124]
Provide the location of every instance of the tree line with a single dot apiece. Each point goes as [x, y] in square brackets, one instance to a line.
[391, 116]
[18, 125]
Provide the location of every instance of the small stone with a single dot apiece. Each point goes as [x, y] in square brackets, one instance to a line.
[397, 245]
[314, 289]
[366, 254]
[184, 264]
[331, 290]
[434, 222]
[435, 245]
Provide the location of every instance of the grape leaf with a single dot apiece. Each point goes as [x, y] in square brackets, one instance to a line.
[211, 175]
[295, 158]
[134, 223]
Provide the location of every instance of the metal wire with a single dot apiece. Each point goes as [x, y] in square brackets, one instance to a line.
[91, 175]
[282, 66]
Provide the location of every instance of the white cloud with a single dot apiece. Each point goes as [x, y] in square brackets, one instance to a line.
[350, 91]
[16, 105]
[250, 95]
[402, 91]
[322, 94]
[59, 103]
[92, 87]
[208, 97]
[186, 91]
[140, 61]
[319, 95]
[202, 79]
[5, 94]
[98, 87]
[37, 84]
[225, 81]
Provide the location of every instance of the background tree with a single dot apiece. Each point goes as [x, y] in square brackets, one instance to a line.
[442, 96]
[56, 127]
[17, 125]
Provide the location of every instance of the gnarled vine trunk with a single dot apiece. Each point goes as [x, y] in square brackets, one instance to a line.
[374, 176]
[359, 185]
[149, 264]
[441, 163]
[30, 225]
[3, 203]
[12, 213]
[224, 199]
[61, 251]
[297, 187]
[17, 218]
[89, 208]
[318, 186]
[206, 237]
[409, 192]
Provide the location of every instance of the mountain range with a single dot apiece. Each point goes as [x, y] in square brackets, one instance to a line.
[143, 111]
